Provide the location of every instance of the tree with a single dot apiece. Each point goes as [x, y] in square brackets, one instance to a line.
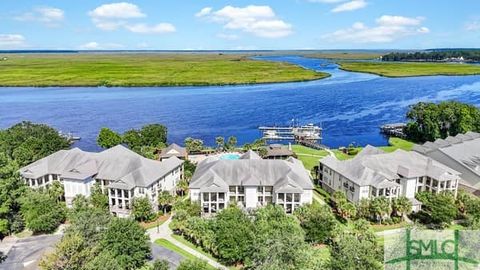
[343, 207]
[105, 260]
[108, 138]
[27, 142]
[70, 253]
[12, 188]
[127, 243]
[142, 209]
[56, 190]
[193, 145]
[195, 264]
[441, 209]
[232, 142]
[42, 212]
[402, 206]
[262, 152]
[234, 235]
[160, 265]
[279, 241]
[430, 121]
[182, 187]
[220, 141]
[318, 222]
[133, 139]
[363, 209]
[97, 198]
[165, 200]
[380, 208]
[154, 135]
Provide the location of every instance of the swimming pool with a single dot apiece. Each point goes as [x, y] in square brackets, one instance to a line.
[230, 156]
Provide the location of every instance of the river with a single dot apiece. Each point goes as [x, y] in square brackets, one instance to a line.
[350, 106]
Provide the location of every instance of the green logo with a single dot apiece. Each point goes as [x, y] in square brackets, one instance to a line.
[434, 249]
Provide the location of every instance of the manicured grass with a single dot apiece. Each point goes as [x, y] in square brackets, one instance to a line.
[153, 224]
[169, 245]
[381, 228]
[145, 70]
[189, 244]
[397, 143]
[308, 156]
[410, 69]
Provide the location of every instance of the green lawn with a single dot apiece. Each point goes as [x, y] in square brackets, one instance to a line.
[189, 244]
[145, 70]
[381, 227]
[308, 156]
[410, 69]
[394, 144]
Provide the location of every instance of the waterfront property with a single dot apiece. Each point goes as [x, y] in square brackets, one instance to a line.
[173, 150]
[121, 173]
[250, 182]
[374, 173]
[461, 153]
[278, 151]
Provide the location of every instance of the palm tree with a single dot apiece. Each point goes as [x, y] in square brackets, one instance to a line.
[232, 142]
[165, 199]
[402, 206]
[182, 186]
[56, 190]
[220, 141]
[380, 207]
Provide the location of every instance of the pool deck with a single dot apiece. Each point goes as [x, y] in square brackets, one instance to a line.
[199, 158]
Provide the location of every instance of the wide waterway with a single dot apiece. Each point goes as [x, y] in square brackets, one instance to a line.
[349, 106]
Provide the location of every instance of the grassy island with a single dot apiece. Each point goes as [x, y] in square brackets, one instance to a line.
[144, 70]
[411, 69]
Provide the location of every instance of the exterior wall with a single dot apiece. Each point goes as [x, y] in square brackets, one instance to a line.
[409, 187]
[251, 199]
[306, 197]
[74, 187]
[195, 195]
[42, 181]
[364, 193]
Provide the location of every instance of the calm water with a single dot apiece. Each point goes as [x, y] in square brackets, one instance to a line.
[350, 106]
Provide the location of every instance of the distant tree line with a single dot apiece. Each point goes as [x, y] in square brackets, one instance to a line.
[433, 56]
[430, 121]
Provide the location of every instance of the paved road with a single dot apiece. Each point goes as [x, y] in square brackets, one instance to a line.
[26, 253]
[162, 253]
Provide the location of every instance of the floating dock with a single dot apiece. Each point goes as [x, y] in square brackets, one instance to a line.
[309, 135]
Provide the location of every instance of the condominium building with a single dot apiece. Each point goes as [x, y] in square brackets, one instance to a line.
[461, 153]
[250, 182]
[122, 174]
[375, 173]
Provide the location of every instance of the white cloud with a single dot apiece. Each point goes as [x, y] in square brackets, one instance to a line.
[389, 28]
[205, 11]
[110, 17]
[121, 10]
[151, 29]
[49, 16]
[97, 46]
[260, 21]
[11, 41]
[472, 26]
[350, 6]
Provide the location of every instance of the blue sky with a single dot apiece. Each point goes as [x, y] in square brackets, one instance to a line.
[239, 24]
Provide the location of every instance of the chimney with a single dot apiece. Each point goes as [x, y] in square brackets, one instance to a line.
[290, 146]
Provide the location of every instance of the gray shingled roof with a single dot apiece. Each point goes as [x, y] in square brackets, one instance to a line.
[173, 150]
[215, 175]
[372, 166]
[464, 148]
[116, 164]
[275, 150]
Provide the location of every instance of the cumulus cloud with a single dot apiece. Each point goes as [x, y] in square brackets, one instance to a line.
[12, 41]
[388, 29]
[93, 45]
[151, 29]
[110, 17]
[260, 21]
[49, 16]
[350, 6]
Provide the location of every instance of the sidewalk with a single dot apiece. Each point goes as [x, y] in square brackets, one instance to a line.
[165, 232]
[7, 244]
